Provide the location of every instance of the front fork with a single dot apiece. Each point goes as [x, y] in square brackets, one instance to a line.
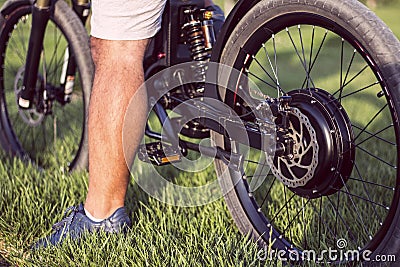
[40, 17]
[41, 11]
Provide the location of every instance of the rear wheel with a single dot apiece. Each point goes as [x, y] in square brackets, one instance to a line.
[340, 190]
[52, 132]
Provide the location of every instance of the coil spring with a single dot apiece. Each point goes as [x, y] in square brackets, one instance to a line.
[195, 39]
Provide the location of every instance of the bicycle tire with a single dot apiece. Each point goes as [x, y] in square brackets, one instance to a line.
[268, 35]
[65, 126]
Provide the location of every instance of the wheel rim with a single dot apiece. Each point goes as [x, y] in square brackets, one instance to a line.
[297, 46]
[51, 139]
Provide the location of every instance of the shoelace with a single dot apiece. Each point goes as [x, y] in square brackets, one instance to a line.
[67, 219]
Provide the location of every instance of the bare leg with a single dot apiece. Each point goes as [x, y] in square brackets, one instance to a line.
[119, 73]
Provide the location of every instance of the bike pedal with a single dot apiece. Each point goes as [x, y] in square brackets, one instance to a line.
[159, 154]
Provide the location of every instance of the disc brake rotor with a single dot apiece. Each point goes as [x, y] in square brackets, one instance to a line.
[300, 169]
[323, 151]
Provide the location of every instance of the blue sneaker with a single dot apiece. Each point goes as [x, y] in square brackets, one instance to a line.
[76, 223]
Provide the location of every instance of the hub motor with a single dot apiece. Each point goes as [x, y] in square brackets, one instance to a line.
[323, 149]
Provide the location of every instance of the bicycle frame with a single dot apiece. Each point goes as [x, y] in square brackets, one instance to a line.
[166, 50]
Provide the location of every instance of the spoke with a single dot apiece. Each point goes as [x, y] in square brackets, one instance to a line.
[266, 72]
[343, 81]
[298, 213]
[372, 183]
[255, 183]
[369, 133]
[21, 54]
[280, 210]
[376, 157]
[337, 211]
[355, 92]
[320, 220]
[304, 64]
[304, 220]
[316, 56]
[367, 193]
[304, 57]
[352, 79]
[20, 33]
[375, 135]
[369, 123]
[266, 195]
[276, 63]
[311, 53]
[271, 65]
[342, 220]
[23, 42]
[258, 78]
[319, 223]
[11, 73]
[341, 71]
[55, 68]
[350, 64]
[56, 42]
[354, 205]
[53, 71]
[287, 210]
[362, 198]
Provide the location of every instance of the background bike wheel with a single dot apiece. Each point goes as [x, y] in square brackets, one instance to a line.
[58, 138]
[340, 64]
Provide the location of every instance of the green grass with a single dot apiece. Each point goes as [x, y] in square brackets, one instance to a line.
[31, 200]
[161, 235]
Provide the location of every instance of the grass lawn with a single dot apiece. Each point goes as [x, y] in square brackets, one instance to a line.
[33, 199]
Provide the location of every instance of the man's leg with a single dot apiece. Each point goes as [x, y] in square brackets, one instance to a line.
[120, 31]
[118, 75]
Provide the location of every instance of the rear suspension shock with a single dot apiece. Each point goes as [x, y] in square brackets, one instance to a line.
[200, 38]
